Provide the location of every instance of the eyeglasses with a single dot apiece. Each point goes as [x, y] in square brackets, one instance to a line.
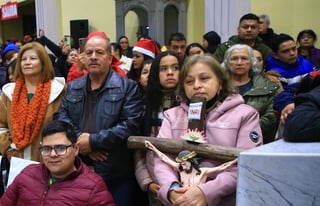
[59, 149]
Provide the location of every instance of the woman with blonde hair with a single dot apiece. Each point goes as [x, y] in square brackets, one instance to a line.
[28, 105]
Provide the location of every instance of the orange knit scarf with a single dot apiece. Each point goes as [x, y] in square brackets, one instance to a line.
[26, 119]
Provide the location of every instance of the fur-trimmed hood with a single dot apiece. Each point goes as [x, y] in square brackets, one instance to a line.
[58, 84]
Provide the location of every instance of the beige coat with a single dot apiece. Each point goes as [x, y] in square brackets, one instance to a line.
[56, 94]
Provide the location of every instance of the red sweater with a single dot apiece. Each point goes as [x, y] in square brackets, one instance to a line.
[82, 187]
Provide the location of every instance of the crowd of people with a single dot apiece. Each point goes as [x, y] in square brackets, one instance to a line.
[73, 111]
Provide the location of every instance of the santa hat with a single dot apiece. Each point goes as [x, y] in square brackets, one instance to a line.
[147, 47]
[97, 33]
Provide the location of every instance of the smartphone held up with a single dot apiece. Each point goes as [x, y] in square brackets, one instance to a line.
[82, 43]
[67, 40]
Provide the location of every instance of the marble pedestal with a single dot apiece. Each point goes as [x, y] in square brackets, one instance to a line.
[279, 173]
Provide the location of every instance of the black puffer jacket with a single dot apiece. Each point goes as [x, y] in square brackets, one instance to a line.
[303, 124]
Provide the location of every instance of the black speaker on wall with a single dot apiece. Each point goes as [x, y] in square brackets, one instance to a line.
[78, 29]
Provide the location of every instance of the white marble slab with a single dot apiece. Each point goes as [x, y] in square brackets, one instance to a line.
[280, 173]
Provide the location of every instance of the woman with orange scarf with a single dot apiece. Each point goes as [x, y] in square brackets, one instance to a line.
[28, 105]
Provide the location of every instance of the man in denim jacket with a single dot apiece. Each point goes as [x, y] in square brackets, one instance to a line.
[105, 110]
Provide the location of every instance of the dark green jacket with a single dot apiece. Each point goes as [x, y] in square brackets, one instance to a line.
[259, 45]
[260, 97]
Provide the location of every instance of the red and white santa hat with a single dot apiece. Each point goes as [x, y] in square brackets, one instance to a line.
[147, 47]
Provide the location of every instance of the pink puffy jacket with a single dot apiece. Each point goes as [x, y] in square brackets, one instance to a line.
[233, 124]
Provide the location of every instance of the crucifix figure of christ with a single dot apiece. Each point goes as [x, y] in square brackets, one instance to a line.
[190, 171]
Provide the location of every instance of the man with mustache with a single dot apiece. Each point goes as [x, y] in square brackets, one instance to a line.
[105, 109]
[78, 69]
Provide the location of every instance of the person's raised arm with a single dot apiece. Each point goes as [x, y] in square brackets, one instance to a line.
[56, 50]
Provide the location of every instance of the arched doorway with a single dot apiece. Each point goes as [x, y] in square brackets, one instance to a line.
[171, 22]
[151, 17]
[136, 24]
[131, 24]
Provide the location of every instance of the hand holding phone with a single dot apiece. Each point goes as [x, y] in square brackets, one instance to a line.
[41, 33]
[82, 43]
[67, 40]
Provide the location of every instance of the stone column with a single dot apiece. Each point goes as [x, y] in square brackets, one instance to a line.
[47, 18]
[223, 16]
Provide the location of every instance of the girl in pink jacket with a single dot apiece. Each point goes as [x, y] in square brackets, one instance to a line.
[228, 122]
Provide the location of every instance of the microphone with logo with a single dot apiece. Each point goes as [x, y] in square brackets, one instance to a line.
[196, 117]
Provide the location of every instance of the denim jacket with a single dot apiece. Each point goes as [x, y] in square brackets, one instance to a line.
[118, 115]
